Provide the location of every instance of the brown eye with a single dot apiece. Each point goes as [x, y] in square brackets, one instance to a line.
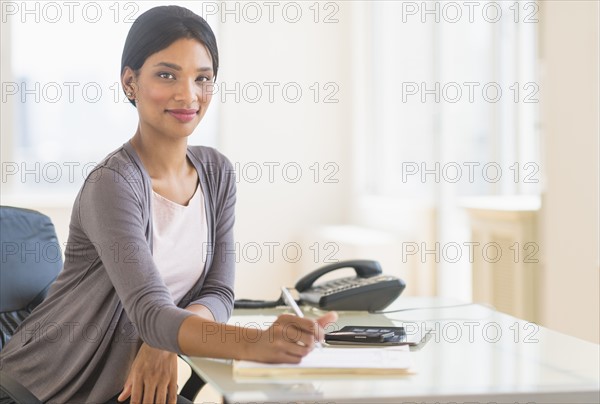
[164, 75]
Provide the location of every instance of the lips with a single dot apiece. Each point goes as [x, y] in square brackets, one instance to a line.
[183, 115]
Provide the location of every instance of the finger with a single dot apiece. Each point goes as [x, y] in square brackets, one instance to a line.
[125, 393]
[297, 350]
[172, 394]
[137, 389]
[294, 333]
[292, 319]
[161, 394]
[149, 393]
[327, 318]
[172, 388]
[283, 356]
[307, 339]
[323, 323]
[285, 319]
[303, 324]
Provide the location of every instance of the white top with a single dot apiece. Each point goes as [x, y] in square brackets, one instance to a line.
[179, 234]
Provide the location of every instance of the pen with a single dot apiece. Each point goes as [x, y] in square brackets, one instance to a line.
[289, 301]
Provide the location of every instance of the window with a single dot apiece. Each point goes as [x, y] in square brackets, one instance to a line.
[454, 99]
[451, 106]
[62, 94]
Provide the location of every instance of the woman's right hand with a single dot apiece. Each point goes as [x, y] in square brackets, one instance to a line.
[288, 339]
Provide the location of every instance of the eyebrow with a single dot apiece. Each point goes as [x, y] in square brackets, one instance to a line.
[178, 68]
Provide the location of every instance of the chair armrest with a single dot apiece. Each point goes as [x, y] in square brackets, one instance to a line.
[193, 385]
[16, 391]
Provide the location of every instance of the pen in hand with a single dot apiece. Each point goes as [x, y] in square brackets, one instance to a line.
[289, 301]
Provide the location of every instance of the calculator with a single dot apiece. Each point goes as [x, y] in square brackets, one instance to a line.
[358, 335]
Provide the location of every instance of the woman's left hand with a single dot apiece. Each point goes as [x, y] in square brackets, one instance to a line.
[152, 378]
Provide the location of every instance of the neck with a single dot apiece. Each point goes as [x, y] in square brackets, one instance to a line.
[162, 157]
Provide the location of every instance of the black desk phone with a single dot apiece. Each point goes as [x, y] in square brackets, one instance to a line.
[368, 290]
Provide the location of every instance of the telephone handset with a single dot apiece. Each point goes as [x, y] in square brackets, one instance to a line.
[368, 290]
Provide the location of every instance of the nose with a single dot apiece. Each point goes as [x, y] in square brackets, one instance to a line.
[188, 92]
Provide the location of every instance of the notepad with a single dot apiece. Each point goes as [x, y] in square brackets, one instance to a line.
[334, 361]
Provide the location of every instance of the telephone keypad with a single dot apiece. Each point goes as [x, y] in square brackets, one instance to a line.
[332, 287]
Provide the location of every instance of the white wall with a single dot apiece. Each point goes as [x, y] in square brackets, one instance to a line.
[6, 108]
[569, 115]
[282, 132]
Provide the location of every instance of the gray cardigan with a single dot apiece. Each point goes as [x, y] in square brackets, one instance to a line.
[79, 344]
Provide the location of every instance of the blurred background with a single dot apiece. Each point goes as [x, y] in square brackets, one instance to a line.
[454, 142]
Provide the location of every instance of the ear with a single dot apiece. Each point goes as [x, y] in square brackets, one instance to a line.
[128, 78]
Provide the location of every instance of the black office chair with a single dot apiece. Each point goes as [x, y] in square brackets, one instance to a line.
[31, 260]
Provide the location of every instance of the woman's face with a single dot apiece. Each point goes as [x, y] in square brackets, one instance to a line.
[173, 88]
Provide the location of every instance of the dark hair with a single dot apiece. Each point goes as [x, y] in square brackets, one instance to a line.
[158, 28]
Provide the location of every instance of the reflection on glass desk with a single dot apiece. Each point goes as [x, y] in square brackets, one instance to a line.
[472, 354]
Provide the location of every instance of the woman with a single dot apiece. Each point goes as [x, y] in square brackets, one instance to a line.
[149, 265]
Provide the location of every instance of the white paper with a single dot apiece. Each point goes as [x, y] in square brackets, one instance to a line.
[397, 357]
